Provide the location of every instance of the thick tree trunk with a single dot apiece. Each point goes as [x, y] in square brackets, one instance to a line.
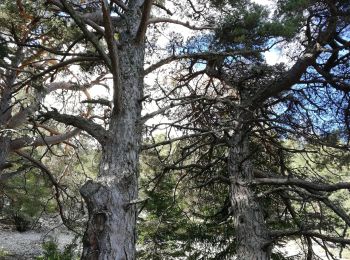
[4, 151]
[6, 108]
[251, 232]
[5, 134]
[111, 231]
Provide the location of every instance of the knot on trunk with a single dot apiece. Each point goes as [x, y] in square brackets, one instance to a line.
[99, 220]
[96, 196]
[90, 188]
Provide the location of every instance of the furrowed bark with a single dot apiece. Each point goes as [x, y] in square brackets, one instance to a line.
[4, 152]
[6, 110]
[5, 113]
[251, 232]
[112, 216]
[110, 198]
[111, 229]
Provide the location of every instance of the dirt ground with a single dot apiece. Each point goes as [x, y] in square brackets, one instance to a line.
[16, 245]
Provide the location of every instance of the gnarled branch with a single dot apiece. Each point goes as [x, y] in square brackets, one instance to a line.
[95, 130]
[302, 183]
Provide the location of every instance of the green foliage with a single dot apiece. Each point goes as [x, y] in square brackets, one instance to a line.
[4, 50]
[52, 252]
[27, 197]
[178, 219]
[286, 29]
[318, 164]
[293, 7]
[182, 217]
[242, 27]
[22, 221]
[233, 3]
[249, 26]
[3, 253]
[279, 256]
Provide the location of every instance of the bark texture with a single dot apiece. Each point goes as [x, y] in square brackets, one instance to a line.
[5, 115]
[112, 214]
[251, 232]
[4, 151]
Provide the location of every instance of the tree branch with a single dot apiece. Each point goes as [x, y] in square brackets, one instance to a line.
[40, 141]
[120, 4]
[302, 183]
[164, 109]
[101, 101]
[173, 21]
[95, 130]
[90, 36]
[201, 55]
[170, 141]
[163, 8]
[93, 17]
[114, 57]
[337, 210]
[41, 166]
[292, 76]
[297, 232]
[52, 68]
[140, 36]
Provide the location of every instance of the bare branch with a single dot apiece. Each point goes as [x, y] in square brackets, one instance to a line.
[120, 4]
[92, 18]
[95, 130]
[183, 137]
[19, 118]
[55, 132]
[53, 68]
[40, 141]
[302, 183]
[173, 21]
[100, 101]
[201, 55]
[41, 167]
[164, 109]
[163, 8]
[337, 210]
[90, 36]
[140, 36]
[114, 57]
[54, 183]
[297, 232]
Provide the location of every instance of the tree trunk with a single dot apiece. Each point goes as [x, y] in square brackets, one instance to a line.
[4, 151]
[5, 134]
[111, 230]
[251, 232]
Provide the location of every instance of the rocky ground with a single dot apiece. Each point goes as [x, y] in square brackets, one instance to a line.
[16, 245]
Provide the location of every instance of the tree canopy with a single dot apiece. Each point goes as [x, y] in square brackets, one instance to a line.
[232, 155]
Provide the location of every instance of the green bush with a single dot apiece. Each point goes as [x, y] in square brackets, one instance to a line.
[52, 252]
[22, 222]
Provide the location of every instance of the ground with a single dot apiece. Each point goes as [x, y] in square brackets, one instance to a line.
[16, 245]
